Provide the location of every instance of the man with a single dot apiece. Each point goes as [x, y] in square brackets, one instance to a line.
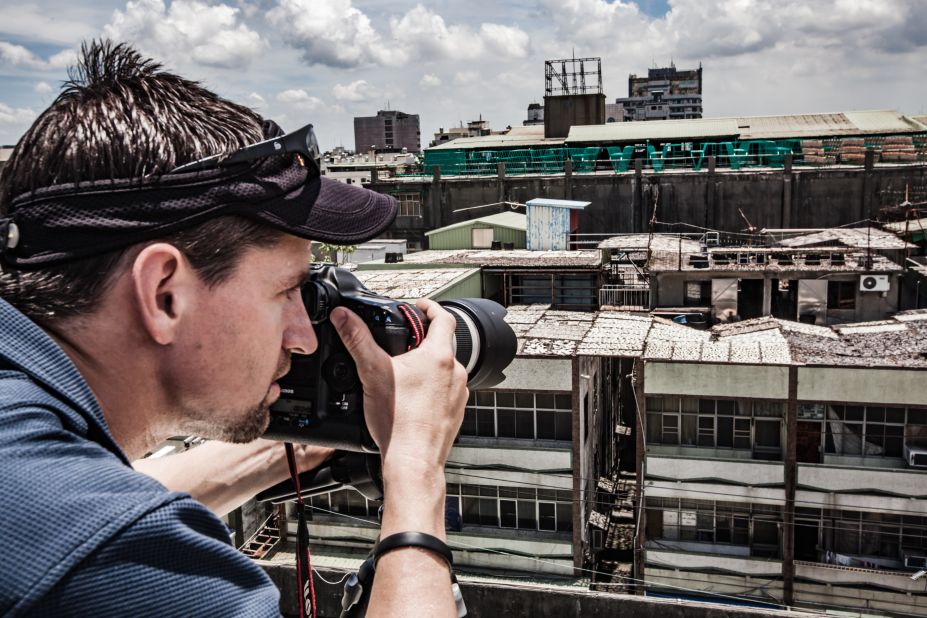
[136, 304]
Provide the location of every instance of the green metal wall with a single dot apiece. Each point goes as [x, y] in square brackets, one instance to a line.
[462, 237]
[469, 287]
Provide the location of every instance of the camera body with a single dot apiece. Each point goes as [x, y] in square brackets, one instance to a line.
[322, 397]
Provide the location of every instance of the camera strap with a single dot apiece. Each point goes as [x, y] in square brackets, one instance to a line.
[307, 607]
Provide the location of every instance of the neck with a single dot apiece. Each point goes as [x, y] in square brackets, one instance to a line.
[113, 363]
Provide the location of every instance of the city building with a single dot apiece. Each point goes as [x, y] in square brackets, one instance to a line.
[389, 131]
[535, 114]
[820, 277]
[664, 94]
[358, 169]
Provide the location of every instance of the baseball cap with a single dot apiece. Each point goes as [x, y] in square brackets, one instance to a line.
[276, 181]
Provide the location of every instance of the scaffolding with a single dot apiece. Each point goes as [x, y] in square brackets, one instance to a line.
[573, 76]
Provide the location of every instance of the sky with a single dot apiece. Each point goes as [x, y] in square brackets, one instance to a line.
[327, 61]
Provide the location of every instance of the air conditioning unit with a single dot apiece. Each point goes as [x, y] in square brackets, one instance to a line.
[914, 558]
[915, 456]
[873, 283]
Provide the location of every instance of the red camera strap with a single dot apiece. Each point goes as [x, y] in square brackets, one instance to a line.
[303, 560]
[418, 329]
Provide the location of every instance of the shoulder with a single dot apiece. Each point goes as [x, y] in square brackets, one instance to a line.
[175, 560]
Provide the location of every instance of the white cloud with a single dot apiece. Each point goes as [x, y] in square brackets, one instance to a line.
[429, 81]
[358, 90]
[330, 32]
[18, 56]
[13, 122]
[466, 78]
[188, 31]
[337, 34]
[424, 34]
[42, 88]
[300, 98]
[255, 100]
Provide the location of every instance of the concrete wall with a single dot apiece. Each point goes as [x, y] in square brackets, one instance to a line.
[706, 380]
[863, 385]
[538, 374]
[491, 600]
[624, 203]
[564, 111]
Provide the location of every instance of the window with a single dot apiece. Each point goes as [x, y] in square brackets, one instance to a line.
[717, 423]
[725, 523]
[697, 294]
[524, 508]
[869, 431]
[519, 415]
[410, 204]
[841, 295]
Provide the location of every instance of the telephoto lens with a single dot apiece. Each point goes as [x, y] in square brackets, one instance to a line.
[483, 343]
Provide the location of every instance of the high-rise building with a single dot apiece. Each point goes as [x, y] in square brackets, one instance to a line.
[664, 94]
[389, 130]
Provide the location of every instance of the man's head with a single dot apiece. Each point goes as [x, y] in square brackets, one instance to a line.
[189, 266]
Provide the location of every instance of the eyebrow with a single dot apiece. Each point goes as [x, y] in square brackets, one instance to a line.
[299, 279]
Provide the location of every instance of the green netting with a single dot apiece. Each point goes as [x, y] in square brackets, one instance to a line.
[676, 155]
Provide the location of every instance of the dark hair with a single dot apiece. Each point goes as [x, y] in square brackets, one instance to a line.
[120, 115]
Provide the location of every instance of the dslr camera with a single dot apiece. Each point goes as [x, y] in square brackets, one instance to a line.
[322, 398]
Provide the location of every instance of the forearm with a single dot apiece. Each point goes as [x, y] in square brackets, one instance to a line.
[412, 581]
[220, 475]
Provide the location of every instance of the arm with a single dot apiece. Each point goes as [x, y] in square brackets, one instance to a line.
[224, 476]
[415, 439]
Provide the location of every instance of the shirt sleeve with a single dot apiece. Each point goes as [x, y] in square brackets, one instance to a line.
[174, 561]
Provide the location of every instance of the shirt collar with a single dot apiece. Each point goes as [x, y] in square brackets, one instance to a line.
[26, 347]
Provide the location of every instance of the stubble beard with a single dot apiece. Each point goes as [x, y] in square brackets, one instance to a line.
[246, 427]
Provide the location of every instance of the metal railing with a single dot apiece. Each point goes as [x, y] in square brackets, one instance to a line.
[625, 297]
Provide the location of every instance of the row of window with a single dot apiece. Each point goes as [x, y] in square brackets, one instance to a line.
[525, 508]
[706, 521]
[867, 431]
[855, 533]
[716, 423]
[520, 415]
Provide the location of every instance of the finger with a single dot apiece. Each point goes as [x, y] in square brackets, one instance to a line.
[441, 325]
[369, 357]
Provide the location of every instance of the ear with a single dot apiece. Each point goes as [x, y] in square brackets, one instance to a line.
[163, 286]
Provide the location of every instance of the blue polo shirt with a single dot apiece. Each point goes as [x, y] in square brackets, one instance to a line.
[85, 534]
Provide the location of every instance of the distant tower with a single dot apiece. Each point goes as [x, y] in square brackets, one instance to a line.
[572, 94]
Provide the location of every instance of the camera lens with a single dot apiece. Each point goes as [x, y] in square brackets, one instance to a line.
[483, 342]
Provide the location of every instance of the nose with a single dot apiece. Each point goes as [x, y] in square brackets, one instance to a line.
[299, 336]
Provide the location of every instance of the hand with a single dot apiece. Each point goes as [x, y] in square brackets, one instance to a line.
[413, 403]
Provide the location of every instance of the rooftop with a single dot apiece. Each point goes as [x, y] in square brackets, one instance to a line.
[656, 242]
[516, 137]
[751, 127]
[909, 226]
[772, 260]
[854, 237]
[509, 219]
[411, 284]
[512, 258]
[898, 342]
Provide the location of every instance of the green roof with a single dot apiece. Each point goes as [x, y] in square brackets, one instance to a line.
[511, 220]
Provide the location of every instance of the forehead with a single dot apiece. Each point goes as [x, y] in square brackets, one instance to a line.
[280, 262]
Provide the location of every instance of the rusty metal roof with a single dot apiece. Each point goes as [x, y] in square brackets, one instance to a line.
[410, 284]
[854, 237]
[517, 258]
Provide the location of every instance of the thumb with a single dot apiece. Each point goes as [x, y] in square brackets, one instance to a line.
[368, 356]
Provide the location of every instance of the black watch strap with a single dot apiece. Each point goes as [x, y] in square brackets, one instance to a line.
[413, 539]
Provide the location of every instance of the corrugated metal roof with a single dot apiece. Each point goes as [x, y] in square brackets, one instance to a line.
[751, 127]
[856, 238]
[654, 130]
[543, 201]
[515, 137]
[513, 220]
